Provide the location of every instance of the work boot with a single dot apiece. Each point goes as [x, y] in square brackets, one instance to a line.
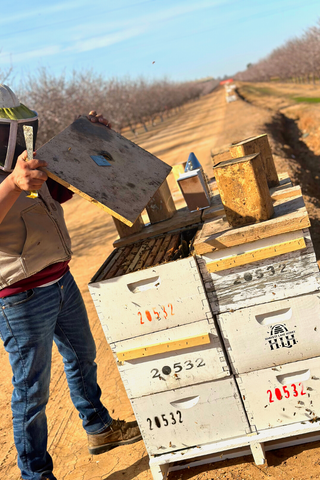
[118, 433]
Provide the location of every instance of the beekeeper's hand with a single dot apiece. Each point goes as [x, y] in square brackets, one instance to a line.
[94, 118]
[26, 175]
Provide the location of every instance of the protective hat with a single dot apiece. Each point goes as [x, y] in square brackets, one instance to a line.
[13, 115]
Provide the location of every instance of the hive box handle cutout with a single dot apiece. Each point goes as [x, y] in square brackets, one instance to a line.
[144, 285]
[294, 377]
[186, 402]
[282, 315]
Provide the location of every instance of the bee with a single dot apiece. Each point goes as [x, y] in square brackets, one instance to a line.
[315, 419]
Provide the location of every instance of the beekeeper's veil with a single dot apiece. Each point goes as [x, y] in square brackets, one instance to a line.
[13, 115]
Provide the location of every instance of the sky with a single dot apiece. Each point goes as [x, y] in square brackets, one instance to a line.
[177, 39]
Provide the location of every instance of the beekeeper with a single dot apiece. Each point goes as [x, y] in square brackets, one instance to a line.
[41, 303]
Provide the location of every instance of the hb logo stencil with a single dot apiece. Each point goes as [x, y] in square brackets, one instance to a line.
[280, 337]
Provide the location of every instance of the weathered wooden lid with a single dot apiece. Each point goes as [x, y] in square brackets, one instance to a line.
[104, 168]
[248, 140]
[233, 161]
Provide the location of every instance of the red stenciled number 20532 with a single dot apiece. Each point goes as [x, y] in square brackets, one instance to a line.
[156, 313]
[286, 391]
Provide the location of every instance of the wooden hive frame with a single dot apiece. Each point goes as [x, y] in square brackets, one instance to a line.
[148, 253]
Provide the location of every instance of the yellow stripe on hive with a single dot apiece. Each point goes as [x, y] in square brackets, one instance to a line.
[155, 349]
[256, 255]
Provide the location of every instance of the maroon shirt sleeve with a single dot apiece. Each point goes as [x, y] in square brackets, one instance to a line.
[58, 192]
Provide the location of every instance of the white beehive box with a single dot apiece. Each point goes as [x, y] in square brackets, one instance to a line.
[231, 98]
[145, 375]
[191, 416]
[272, 333]
[282, 395]
[275, 278]
[150, 300]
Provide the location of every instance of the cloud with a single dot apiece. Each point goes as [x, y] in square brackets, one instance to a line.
[101, 41]
[142, 24]
[30, 55]
[183, 9]
[117, 30]
[47, 10]
[154, 17]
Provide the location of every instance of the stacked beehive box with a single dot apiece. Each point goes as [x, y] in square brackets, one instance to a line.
[156, 317]
[262, 282]
[231, 95]
[215, 329]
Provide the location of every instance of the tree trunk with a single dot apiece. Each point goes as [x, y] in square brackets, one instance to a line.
[133, 130]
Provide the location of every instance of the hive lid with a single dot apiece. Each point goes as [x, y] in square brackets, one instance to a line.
[188, 174]
[233, 161]
[248, 140]
[104, 168]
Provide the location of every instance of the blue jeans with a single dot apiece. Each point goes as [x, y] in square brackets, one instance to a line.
[29, 322]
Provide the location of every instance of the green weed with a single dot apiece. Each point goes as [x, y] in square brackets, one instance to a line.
[306, 99]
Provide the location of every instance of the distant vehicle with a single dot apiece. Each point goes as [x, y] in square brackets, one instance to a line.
[224, 82]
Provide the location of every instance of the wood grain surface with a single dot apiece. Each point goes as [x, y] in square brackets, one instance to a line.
[122, 188]
[289, 215]
[182, 218]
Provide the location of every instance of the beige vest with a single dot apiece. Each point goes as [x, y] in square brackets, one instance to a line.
[33, 235]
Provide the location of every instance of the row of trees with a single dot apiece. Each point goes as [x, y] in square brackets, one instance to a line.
[126, 103]
[297, 60]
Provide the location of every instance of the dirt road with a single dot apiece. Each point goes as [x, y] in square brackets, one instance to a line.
[205, 126]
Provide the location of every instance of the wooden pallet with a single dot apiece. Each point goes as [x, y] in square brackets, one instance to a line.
[256, 444]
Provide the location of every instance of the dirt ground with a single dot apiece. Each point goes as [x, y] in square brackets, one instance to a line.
[295, 135]
[206, 126]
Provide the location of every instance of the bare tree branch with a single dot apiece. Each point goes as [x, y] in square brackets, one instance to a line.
[126, 103]
[297, 60]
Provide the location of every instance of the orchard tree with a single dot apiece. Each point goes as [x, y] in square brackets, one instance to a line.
[297, 60]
